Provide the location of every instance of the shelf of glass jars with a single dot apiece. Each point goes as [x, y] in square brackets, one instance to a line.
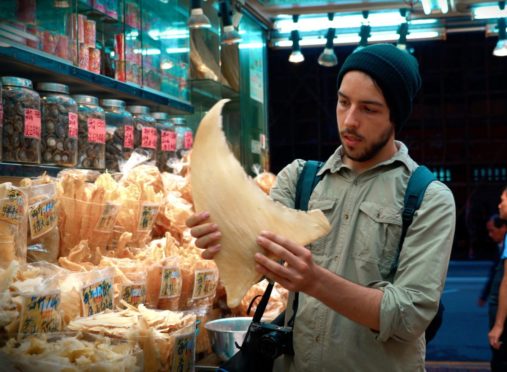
[22, 61]
[206, 92]
[18, 170]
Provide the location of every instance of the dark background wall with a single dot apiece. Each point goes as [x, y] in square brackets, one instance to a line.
[458, 127]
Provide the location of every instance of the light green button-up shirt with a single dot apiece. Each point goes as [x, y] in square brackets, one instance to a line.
[365, 214]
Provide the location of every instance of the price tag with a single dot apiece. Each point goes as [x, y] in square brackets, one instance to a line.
[32, 123]
[171, 283]
[183, 354]
[188, 140]
[97, 297]
[12, 208]
[149, 138]
[42, 217]
[147, 216]
[205, 283]
[108, 217]
[168, 140]
[134, 294]
[128, 140]
[73, 124]
[40, 314]
[96, 131]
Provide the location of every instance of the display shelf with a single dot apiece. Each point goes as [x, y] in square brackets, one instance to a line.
[39, 66]
[207, 92]
[27, 170]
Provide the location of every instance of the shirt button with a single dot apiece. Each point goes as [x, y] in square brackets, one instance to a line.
[317, 339]
[346, 216]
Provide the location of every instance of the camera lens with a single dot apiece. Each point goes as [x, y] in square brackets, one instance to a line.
[268, 345]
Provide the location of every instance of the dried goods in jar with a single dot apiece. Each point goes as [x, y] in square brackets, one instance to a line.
[59, 125]
[21, 122]
[120, 133]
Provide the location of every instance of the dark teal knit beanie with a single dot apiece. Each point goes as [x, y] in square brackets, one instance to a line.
[395, 71]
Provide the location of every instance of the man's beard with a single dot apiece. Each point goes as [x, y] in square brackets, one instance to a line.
[370, 151]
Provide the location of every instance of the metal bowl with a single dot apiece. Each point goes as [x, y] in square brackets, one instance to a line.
[225, 333]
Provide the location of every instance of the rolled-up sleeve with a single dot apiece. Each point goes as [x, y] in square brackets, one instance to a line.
[411, 301]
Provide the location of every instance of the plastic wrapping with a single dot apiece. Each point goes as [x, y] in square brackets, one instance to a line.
[65, 352]
[13, 224]
[164, 284]
[200, 279]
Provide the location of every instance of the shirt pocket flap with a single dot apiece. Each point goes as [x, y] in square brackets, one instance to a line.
[381, 213]
[325, 205]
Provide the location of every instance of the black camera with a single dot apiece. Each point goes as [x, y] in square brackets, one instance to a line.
[270, 340]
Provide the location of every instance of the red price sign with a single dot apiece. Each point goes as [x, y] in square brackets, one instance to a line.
[149, 138]
[168, 141]
[128, 139]
[188, 139]
[32, 123]
[73, 125]
[96, 130]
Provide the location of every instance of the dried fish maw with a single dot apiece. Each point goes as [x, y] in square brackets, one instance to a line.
[240, 208]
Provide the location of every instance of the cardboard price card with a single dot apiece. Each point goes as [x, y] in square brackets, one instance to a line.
[149, 138]
[188, 140]
[147, 216]
[73, 125]
[128, 139]
[171, 282]
[96, 130]
[205, 283]
[134, 294]
[183, 354]
[42, 217]
[97, 297]
[40, 314]
[12, 208]
[168, 140]
[32, 123]
[108, 217]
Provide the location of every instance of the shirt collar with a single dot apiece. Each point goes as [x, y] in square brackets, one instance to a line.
[335, 161]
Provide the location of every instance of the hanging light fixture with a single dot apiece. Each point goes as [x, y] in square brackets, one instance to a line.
[501, 46]
[229, 35]
[328, 57]
[364, 32]
[296, 56]
[403, 32]
[197, 17]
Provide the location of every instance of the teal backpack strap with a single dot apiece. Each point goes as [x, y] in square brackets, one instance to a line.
[307, 181]
[417, 185]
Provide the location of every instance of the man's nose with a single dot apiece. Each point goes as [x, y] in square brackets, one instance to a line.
[351, 118]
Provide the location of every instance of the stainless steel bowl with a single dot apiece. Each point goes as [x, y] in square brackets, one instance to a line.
[225, 333]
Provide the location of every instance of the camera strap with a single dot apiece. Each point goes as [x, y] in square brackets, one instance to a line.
[259, 312]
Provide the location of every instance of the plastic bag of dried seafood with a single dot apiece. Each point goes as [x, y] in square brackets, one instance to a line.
[43, 233]
[13, 224]
[72, 351]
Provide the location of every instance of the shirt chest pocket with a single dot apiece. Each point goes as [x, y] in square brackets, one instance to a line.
[378, 235]
[327, 206]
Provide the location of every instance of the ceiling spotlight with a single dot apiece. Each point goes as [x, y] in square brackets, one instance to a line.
[328, 57]
[501, 46]
[296, 56]
[229, 35]
[197, 17]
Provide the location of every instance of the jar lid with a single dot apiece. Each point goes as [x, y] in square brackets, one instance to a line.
[160, 115]
[138, 109]
[113, 103]
[53, 87]
[86, 100]
[17, 82]
[178, 121]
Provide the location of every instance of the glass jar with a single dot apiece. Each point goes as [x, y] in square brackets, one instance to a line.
[167, 141]
[21, 121]
[92, 133]
[59, 125]
[145, 131]
[184, 136]
[119, 133]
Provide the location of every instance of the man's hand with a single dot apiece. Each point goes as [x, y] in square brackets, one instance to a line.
[299, 272]
[207, 234]
[494, 337]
